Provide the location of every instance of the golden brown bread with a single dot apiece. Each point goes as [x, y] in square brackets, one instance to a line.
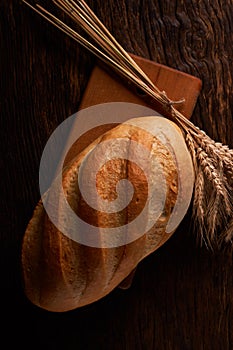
[61, 274]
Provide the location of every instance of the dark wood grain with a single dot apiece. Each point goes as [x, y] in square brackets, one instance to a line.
[182, 296]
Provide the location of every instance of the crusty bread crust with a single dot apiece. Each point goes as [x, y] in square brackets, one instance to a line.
[59, 273]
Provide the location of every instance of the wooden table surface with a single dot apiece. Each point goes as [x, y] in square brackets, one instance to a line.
[182, 295]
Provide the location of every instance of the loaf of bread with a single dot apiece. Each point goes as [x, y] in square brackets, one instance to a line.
[65, 270]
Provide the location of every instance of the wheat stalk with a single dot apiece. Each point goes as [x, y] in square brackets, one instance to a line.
[213, 162]
[213, 193]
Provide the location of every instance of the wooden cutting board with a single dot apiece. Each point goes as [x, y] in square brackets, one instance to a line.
[104, 87]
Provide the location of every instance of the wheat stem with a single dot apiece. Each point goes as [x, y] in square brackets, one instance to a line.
[213, 162]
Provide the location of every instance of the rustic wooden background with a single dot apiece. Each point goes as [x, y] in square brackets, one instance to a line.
[182, 295]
